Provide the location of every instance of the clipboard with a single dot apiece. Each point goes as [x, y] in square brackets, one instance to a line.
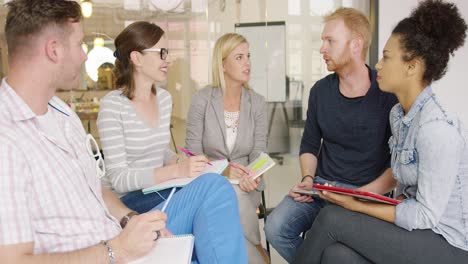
[362, 195]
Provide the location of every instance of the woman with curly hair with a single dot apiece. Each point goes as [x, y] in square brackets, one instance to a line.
[429, 159]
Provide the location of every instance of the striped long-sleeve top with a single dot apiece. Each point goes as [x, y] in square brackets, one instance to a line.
[133, 149]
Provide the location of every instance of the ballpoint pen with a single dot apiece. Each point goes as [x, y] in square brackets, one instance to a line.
[158, 233]
[186, 151]
[237, 167]
[168, 199]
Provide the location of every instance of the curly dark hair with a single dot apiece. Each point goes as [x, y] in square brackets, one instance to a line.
[433, 31]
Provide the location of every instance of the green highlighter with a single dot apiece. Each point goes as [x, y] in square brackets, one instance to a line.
[259, 163]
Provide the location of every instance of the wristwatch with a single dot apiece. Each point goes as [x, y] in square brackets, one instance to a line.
[126, 218]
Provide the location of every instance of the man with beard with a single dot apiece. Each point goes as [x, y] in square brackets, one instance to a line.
[346, 131]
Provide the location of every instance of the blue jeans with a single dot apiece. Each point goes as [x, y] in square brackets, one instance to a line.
[207, 208]
[289, 219]
[142, 203]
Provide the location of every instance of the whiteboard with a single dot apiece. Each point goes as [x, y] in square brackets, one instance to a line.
[267, 43]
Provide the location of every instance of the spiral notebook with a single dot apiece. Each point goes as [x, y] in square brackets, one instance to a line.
[173, 250]
[218, 166]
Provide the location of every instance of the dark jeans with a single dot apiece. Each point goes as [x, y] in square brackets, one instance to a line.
[342, 236]
[142, 203]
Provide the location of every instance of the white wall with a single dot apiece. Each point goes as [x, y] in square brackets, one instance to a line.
[452, 89]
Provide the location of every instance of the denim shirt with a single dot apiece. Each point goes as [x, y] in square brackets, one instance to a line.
[430, 158]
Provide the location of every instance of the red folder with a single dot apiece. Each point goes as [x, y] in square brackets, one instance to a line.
[367, 196]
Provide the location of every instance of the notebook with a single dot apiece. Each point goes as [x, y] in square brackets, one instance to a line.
[218, 166]
[260, 165]
[174, 250]
[367, 196]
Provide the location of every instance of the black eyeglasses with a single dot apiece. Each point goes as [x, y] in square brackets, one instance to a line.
[163, 52]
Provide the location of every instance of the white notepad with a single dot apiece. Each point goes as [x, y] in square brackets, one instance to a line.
[260, 165]
[218, 166]
[173, 250]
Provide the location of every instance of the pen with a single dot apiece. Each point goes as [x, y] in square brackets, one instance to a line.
[168, 199]
[186, 151]
[158, 233]
[237, 167]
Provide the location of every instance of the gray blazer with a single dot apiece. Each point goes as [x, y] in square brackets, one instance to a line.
[206, 130]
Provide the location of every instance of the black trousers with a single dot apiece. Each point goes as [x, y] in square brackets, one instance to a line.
[342, 236]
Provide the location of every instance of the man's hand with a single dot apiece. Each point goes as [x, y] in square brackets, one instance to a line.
[165, 233]
[137, 238]
[305, 185]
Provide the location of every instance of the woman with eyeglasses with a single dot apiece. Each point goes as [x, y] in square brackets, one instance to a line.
[133, 125]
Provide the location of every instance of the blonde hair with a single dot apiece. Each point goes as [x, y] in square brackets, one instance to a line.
[223, 47]
[355, 21]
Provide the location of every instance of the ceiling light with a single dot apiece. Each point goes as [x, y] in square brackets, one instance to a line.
[86, 8]
[98, 42]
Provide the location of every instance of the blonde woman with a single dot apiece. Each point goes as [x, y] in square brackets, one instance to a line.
[228, 120]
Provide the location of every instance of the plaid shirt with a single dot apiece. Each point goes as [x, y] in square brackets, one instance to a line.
[49, 191]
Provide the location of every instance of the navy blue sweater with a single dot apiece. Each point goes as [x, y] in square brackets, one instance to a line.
[349, 136]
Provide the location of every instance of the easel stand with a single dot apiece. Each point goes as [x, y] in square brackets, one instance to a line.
[277, 155]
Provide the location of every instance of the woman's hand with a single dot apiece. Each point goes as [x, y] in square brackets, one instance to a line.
[247, 184]
[401, 197]
[236, 171]
[192, 166]
[344, 201]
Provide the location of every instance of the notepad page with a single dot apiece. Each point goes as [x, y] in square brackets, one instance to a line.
[260, 165]
[264, 166]
[218, 166]
[173, 250]
[178, 182]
